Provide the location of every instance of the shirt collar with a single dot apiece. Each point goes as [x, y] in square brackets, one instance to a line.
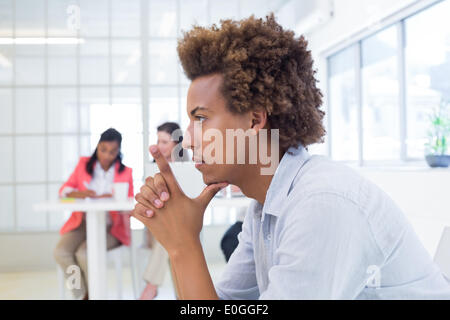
[283, 178]
[99, 169]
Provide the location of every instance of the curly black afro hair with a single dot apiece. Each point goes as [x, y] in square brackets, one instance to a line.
[264, 67]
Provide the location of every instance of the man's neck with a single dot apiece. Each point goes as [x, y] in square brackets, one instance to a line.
[256, 187]
[253, 184]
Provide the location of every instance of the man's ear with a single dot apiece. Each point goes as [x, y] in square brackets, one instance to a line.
[259, 119]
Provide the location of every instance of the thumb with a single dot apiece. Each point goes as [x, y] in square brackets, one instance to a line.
[209, 192]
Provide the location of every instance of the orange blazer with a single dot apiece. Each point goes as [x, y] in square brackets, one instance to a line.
[120, 228]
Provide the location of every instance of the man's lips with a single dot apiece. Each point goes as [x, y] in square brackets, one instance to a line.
[198, 161]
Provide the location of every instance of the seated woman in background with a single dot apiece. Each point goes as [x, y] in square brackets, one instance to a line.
[93, 177]
[169, 136]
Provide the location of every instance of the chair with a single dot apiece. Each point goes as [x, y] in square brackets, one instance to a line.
[442, 255]
[116, 256]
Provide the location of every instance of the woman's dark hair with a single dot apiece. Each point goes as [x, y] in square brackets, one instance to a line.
[170, 128]
[109, 135]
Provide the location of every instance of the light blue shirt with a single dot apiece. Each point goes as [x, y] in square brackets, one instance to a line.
[324, 232]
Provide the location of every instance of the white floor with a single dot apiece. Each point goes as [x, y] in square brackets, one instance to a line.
[43, 285]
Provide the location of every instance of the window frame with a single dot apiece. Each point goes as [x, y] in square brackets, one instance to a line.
[396, 20]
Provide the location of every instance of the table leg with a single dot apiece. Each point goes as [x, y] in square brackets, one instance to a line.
[96, 254]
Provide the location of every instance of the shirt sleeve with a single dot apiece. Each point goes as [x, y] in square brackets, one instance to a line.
[238, 281]
[65, 191]
[325, 250]
[71, 184]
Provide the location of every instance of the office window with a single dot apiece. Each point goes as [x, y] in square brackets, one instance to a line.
[127, 101]
[124, 116]
[257, 7]
[30, 110]
[343, 105]
[27, 218]
[193, 12]
[94, 18]
[6, 18]
[427, 56]
[62, 64]
[30, 158]
[85, 145]
[89, 99]
[62, 156]
[126, 58]
[6, 159]
[6, 110]
[30, 18]
[162, 18]
[30, 64]
[62, 112]
[58, 18]
[380, 96]
[184, 115]
[94, 62]
[224, 10]
[6, 63]
[125, 18]
[164, 106]
[162, 62]
[401, 79]
[7, 212]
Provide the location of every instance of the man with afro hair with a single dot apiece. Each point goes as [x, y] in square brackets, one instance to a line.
[315, 229]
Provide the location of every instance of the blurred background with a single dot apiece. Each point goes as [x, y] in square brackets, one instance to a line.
[70, 69]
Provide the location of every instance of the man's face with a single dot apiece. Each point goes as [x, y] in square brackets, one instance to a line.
[205, 103]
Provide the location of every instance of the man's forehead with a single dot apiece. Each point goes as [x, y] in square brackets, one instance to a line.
[203, 90]
[208, 81]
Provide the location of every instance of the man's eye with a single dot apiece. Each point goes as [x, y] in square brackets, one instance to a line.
[200, 118]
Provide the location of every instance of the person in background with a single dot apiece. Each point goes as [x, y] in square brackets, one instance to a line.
[230, 239]
[93, 177]
[169, 140]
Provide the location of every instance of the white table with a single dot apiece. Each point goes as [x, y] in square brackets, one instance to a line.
[96, 234]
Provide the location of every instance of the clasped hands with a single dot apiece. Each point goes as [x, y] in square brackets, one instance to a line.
[173, 218]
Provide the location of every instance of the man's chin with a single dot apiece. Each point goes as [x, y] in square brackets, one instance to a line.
[212, 173]
[207, 179]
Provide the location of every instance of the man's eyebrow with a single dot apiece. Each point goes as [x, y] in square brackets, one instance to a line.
[198, 108]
